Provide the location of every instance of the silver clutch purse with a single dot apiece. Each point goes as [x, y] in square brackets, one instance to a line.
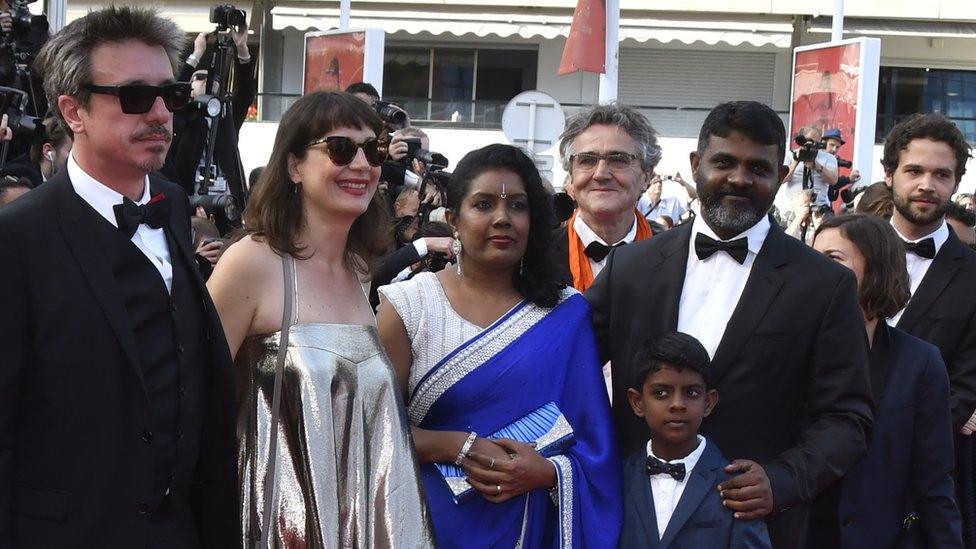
[545, 426]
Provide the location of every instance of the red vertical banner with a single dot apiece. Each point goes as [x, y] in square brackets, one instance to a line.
[586, 46]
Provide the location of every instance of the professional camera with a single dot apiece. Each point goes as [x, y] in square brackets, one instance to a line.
[808, 148]
[227, 16]
[221, 206]
[391, 113]
[20, 17]
[844, 163]
[12, 103]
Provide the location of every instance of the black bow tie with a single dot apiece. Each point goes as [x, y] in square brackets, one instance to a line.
[130, 215]
[923, 248]
[706, 246]
[598, 251]
[658, 467]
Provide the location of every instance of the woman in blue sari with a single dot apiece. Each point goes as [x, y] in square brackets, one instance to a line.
[500, 371]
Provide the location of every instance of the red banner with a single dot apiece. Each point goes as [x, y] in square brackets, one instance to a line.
[334, 61]
[586, 47]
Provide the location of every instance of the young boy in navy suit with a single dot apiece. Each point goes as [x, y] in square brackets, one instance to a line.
[671, 486]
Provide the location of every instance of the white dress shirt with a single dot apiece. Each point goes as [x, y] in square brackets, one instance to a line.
[151, 242]
[918, 265]
[666, 490]
[712, 287]
[587, 236]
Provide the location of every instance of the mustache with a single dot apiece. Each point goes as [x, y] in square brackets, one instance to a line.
[156, 130]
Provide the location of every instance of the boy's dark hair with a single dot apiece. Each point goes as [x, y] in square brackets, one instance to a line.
[363, 87]
[961, 214]
[750, 118]
[932, 126]
[674, 349]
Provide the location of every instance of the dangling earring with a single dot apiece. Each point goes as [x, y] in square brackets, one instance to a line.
[521, 265]
[457, 251]
[295, 187]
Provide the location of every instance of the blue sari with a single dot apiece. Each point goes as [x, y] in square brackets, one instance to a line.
[527, 358]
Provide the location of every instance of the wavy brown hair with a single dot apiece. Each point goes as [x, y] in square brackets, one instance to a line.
[885, 288]
[275, 213]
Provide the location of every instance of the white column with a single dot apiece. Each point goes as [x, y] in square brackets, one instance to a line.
[608, 80]
[57, 14]
[344, 14]
[837, 23]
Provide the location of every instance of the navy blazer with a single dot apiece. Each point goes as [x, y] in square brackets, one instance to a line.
[909, 462]
[699, 520]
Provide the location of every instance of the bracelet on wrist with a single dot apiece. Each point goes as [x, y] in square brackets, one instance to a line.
[465, 448]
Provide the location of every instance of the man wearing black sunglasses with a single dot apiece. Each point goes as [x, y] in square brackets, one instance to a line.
[185, 161]
[116, 384]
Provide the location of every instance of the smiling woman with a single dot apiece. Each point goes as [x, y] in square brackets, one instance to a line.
[338, 469]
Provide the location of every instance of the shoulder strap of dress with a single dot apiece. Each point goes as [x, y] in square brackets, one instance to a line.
[270, 477]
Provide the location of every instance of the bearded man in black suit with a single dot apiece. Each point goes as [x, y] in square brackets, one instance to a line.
[116, 383]
[780, 321]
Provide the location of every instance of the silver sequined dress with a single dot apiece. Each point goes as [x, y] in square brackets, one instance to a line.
[347, 474]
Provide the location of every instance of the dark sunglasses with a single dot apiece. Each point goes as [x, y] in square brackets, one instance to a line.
[139, 98]
[342, 150]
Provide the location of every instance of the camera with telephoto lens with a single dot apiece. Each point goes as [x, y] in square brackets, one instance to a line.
[12, 103]
[808, 148]
[844, 163]
[391, 113]
[227, 17]
[20, 18]
[221, 206]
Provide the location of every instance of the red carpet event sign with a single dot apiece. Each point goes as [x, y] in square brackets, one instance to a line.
[336, 59]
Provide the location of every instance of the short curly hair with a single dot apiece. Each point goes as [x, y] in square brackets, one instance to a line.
[934, 126]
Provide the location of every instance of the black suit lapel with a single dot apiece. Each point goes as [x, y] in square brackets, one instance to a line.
[75, 222]
[669, 272]
[700, 484]
[939, 275]
[761, 288]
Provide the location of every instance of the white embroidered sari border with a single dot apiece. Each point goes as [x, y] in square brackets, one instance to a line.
[475, 353]
[564, 473]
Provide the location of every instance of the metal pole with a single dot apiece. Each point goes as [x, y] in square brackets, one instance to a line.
[837, 24]
[57, 14]
[344, 14]
[608, 80]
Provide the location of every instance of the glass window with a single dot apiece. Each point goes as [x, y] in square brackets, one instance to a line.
[904, 91]
[406, 79]
[453, 85]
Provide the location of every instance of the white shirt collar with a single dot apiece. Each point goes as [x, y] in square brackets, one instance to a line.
[96, 194]
[689, 461]
[755, 234]
[939, 236]
[587, 236]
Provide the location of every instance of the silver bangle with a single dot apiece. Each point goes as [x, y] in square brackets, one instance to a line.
[465, 448]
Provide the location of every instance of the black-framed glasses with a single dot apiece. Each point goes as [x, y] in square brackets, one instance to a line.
[342, 150]
[588, 161]
[139, 98]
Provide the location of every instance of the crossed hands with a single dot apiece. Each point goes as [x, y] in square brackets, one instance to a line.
[502, 469]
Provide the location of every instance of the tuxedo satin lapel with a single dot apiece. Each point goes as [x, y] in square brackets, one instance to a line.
[668, 273]
[940, 273]
[639, 492]
[75, 223]
[700, 485]
[175, 227]
[761, 288]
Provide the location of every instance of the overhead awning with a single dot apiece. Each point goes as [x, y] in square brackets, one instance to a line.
[757, 32]
[899, 27]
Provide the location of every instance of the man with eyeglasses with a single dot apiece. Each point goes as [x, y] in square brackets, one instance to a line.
[610, 152]
[185, 163]
[116, 384]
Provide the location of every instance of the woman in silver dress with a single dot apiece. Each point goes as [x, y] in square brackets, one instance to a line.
[333, 465]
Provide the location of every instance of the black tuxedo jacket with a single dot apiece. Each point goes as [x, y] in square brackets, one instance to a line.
[190, 137]
[72, 403]
[791, 369]
[560, 254]
[943, 312]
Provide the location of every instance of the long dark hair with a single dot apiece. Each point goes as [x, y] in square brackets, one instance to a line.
[885, 288]
[537, 280]
[275, 213]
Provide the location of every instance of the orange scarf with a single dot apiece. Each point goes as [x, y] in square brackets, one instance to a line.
[579, 262]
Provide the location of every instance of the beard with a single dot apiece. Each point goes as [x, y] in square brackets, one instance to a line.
[159, 152]
[735, 218]
[904, 207]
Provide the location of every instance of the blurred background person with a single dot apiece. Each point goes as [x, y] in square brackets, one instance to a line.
[962, 222]
[876, 200]
[12, 188]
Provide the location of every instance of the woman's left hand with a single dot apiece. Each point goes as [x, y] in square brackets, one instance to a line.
[524, 471]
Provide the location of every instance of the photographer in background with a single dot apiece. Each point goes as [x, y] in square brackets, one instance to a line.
[21, 36]
[813, 169]
[50, 153]
[833, 140]
[186, 160]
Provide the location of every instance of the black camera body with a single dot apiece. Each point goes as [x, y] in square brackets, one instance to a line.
[391, 113]
[12, 104]
[808, 148]
[227, 17]
[844, 163]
